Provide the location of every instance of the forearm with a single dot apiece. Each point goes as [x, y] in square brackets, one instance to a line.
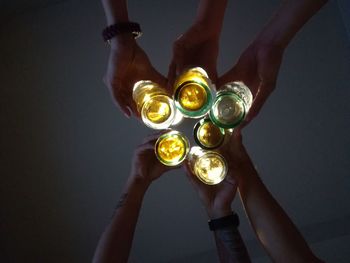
[274, 229]
[211, 14]
[230, 246]
[229, 243]
[115, 243]
[288, 20]
[116, 11]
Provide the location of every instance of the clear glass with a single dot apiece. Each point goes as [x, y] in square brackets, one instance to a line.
[155, 106]
[207, 135]
[172, 148]
[193, 93]
[231, 105]
[210, 167]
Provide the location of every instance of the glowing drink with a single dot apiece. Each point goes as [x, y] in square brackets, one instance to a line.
[172, 148]
[210, 167]
[208, 135]
[193, 93]
[231, 105]
[154, 104]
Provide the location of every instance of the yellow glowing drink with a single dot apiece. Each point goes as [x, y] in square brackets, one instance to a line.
[193, 93]
[210, 167]
[172, 148]
[231, 105]
[208, 135]
[154, 104]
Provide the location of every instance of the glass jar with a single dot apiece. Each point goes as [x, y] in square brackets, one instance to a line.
[210, 167]
[172, 148]
[155, 106]
[207, 135]
[231, 105]
[193, 93]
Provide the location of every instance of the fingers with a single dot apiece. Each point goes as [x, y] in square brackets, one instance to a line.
[121, 100]
[171, 75]
[264, 91]
[152, 137]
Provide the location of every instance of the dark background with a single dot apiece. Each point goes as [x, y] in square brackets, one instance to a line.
[66, 149]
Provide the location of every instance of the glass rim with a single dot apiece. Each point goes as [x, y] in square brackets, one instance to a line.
[201, 111]
[165, 124]
[223, 125]
[225, 170]
[196, 129]
[183, 139]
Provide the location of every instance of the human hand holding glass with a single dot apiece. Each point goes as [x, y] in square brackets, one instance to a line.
[127, 64]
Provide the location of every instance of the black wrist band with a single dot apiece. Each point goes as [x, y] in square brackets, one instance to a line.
[121, 28]
[226, 221]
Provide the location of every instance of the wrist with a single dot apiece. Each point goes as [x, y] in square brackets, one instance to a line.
[138, 183]
[214, 213]
[126, 40]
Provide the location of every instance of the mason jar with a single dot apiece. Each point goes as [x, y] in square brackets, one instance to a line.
[155, 106]
[193, 93]
[231, 105]
[210, 167]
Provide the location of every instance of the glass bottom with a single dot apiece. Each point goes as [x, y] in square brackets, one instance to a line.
[210, 168]
[172, 148]
[158, 112]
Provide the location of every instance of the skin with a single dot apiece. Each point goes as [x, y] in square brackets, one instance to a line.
[127, 62]
[259, 64]
[199, 44]
[272, 226]
[217, 200]
[116, 241]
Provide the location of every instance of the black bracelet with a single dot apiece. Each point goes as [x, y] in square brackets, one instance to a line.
[121, 28]
[226, 221]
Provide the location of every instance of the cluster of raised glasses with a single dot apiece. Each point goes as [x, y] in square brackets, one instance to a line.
[194, 97]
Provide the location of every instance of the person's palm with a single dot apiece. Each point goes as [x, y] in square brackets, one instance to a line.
[146, 166]
[216, 199]
[127, 64]
[194, 48]
[258, 68]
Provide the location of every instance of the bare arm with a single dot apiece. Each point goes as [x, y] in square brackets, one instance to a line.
[217, 200]
[115, 243]
[274, 229]
[288, 20]
[127, 63]
[199, 44]
[259, 64]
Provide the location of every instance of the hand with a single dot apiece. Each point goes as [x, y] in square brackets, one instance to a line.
[127, 64]
[216, 199]
[239, 163]
[196, 47]
[258, 68]
[145, 166]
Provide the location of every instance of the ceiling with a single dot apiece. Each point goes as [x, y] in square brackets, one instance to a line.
[65, 146]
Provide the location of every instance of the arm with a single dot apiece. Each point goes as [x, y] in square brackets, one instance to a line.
[288, 20]
[199, 45]
[116, 241]
[127, 63]
[274, 229]
[217, 201]
[259, 64]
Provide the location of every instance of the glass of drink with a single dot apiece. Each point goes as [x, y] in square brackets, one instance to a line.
[210, 167]
[172, 148]
[231, 105]
[193, 93]
[155, 106]
[207, 135]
